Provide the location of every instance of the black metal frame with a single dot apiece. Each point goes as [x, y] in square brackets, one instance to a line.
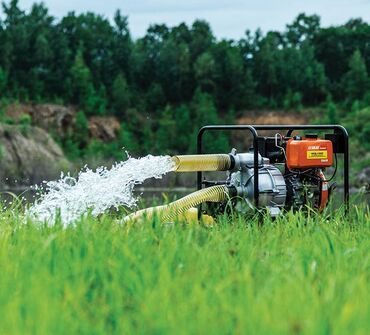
[338, 129]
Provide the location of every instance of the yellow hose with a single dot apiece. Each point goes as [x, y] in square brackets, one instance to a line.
[175, 209]
[190, 163]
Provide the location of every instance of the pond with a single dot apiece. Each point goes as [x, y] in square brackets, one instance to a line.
[150, 196]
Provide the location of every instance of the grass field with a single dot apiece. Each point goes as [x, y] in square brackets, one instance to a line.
[297, 275]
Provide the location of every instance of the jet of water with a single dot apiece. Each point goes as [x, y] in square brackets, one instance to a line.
[98, 190]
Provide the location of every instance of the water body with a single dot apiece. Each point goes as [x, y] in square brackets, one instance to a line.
[135, 195]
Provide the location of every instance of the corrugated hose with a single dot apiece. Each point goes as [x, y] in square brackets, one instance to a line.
[173, 210]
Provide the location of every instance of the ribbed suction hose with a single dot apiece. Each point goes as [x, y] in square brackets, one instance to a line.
[191, 163]
[175, 209]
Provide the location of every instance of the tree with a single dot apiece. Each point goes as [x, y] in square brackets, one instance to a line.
[3, 82]
[120, 96]
[356, 80]
[14, 46]
[304, 28]
[127, 141]
[265, 67]
[166, 134]
[173, 69]
[96, 102]
[249, 90]
[332, 112]
[82, 91]
[81, 130]
[202, 38]
[205, 69]
[122, 45]
[40, 52]
[299, 71]
[155, 98]
[180, 77]
[183, 122]
[229, 76]
[205, 112]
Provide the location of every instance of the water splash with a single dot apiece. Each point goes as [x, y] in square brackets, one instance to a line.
[98, 190]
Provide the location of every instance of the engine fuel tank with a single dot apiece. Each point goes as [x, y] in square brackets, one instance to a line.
[309, 152]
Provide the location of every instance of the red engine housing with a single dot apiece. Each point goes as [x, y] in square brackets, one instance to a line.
[309, 152]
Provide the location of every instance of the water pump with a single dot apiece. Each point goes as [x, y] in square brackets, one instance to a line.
[282, 172]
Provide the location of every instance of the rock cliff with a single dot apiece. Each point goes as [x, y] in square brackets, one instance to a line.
[28, 155]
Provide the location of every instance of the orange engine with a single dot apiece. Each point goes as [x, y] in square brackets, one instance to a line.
[309, 152]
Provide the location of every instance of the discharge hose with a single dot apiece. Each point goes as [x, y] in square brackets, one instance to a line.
[192, 163]
[173, 210]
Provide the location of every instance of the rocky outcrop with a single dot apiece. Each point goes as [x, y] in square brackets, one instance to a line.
[273, 117]
[104, 128]
[61, 120]
[28, 155]
[49, 117]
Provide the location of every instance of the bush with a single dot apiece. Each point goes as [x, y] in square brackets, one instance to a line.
[25, 120]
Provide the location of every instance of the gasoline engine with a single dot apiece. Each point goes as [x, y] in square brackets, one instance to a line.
[290, 176]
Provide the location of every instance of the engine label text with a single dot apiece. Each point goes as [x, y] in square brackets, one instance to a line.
[317, 154]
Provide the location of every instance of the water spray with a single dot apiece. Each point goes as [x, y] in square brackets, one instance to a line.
[96, 191]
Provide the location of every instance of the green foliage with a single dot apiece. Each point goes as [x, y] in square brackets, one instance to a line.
[356, 80]
[332, 112]
[184, 126]
[155, 98]
[205, 112]
[71, 148]
[1, 152]
[25, 120]
[249, 95]
[175, 129]
[96, 103]
[99, 149]
[3, 82]
[81, 82]
[127, 141]
[265, 69]
[120, 95]
[24, 124]
[304, 28]
[81, 130]
[113, 150]
[293, 101]
[157, 81]
[167, 132]
[205, 71]
[357, 123]
[297, 274]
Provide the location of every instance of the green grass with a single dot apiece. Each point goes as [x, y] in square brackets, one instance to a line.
[296, 275]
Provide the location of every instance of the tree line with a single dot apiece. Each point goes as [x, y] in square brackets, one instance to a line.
[164, 86]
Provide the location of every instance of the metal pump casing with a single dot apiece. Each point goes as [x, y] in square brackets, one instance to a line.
[272, 186]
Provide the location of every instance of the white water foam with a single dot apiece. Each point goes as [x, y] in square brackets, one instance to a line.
[96, 191]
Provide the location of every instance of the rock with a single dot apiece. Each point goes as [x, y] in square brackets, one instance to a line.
[61, 120]
[28, 155]
[272, 117]
[16, 111]
[58, 118]
[363, 177]
[104, 128]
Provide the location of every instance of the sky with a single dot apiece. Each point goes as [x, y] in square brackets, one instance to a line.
[228, 18]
